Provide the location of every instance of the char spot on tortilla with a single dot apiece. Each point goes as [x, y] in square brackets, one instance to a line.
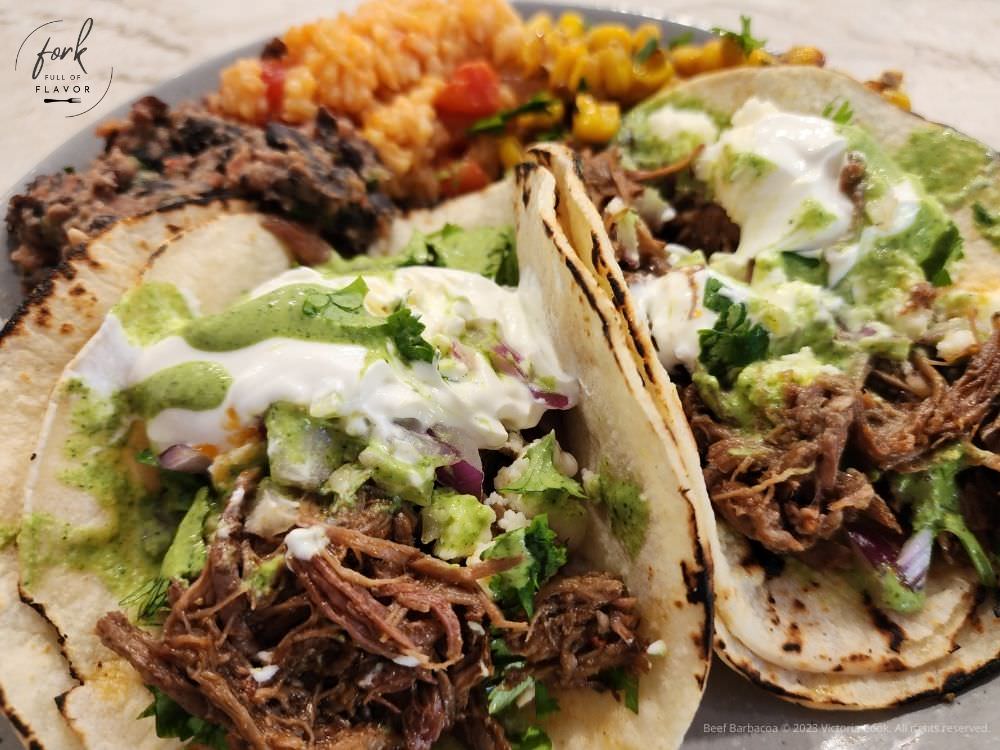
[66, 328]
[76, 290]
[893, 633]
[695, 582]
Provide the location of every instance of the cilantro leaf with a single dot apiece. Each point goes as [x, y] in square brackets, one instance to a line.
[496, 123]
[645, 52]
[350, 299]
[541, 474]
[148, 602]
[174, 721]
[146, 457]
[501, 698]
[533, 738]
[947, 246]
[840, 114]
[747, 42]
[733, 342]
[625, 685]
[545, 702]
[404, 329]
[983, 217]
[541, 556]
[801, 268]
[686, 38]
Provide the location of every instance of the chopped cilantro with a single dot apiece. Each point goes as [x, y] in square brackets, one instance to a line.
[645, 52]
[841, 113]
[801, 268]
[747, 42]
[532, 738]
[502, 698]
[733, 342]
[404, 329]
[983, 217]
[686, 38]
[947, 246]
[545, 702]
[496, 123]
[541, 556]
[541, 474]
[625, 685]
[174, 721]
[146, 457]
[332, 304]
[148, 602]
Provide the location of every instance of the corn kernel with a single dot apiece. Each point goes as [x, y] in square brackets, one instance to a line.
[615, 64]
[510, 151]
[539, 24]
[651, 75]
[732, 53]
[804, 56]
[565, 61]
[897, 97]
[586, 74]
[530, 122]
[609, 35]
[761, 56]
[572, 25]
[711, 56]
[686, 59]
[595, 122]
[642, 35]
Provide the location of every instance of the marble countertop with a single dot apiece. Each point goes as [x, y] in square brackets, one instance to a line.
[952, 74]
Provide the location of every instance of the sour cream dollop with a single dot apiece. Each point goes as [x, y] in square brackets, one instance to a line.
[777, 174]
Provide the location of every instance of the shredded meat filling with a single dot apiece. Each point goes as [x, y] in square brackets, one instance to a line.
[901, 435]
[376, 644]
[785, 488]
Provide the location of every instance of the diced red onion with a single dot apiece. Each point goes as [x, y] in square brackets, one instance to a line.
[462, 477]
[915, 559]
[507, 361]
[185, 459]
[551, 400]
[877, 549]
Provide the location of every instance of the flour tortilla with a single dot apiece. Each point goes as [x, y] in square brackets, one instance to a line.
[35, 345]
[813, 638]
[220, 260]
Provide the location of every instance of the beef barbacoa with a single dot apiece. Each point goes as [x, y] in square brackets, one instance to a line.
[322, 175]
[371, 643]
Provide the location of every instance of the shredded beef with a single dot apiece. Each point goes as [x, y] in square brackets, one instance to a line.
[900, 434]
[785, 488]
[323, 175]
[377, 644]
[583, 626]
[606, 179]
[702, 225]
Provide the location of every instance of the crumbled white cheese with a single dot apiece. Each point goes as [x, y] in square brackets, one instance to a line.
[305, 544]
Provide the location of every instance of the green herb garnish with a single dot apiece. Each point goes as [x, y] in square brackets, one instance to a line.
[172, 721]
[686, 38]
[747, 42]
[841, 113]
[146, 457]
[330, 304]
[625, 685]
[405, 330]
[733, 342]
[148, 602]
[541, 556]
[645, 52]
[496, 123]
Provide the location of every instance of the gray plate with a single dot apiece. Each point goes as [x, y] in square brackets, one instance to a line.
[734, 713]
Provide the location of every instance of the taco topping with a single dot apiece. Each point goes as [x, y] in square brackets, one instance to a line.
[831, 373]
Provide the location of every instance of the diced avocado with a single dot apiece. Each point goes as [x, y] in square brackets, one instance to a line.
[412, 481]
[265, 576]
[187, 554]
[302, 450]
[456, 523]
[345, 482]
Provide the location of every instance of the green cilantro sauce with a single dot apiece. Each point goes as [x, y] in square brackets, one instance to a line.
[946, 162]
[8, 533]
[627, 507]
[812, 217]
[197, 386]
[126, 550]
[643, 148]
[307, 312]
[152, 311]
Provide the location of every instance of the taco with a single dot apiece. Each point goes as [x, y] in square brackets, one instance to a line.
[810, 278]
[381, 502]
